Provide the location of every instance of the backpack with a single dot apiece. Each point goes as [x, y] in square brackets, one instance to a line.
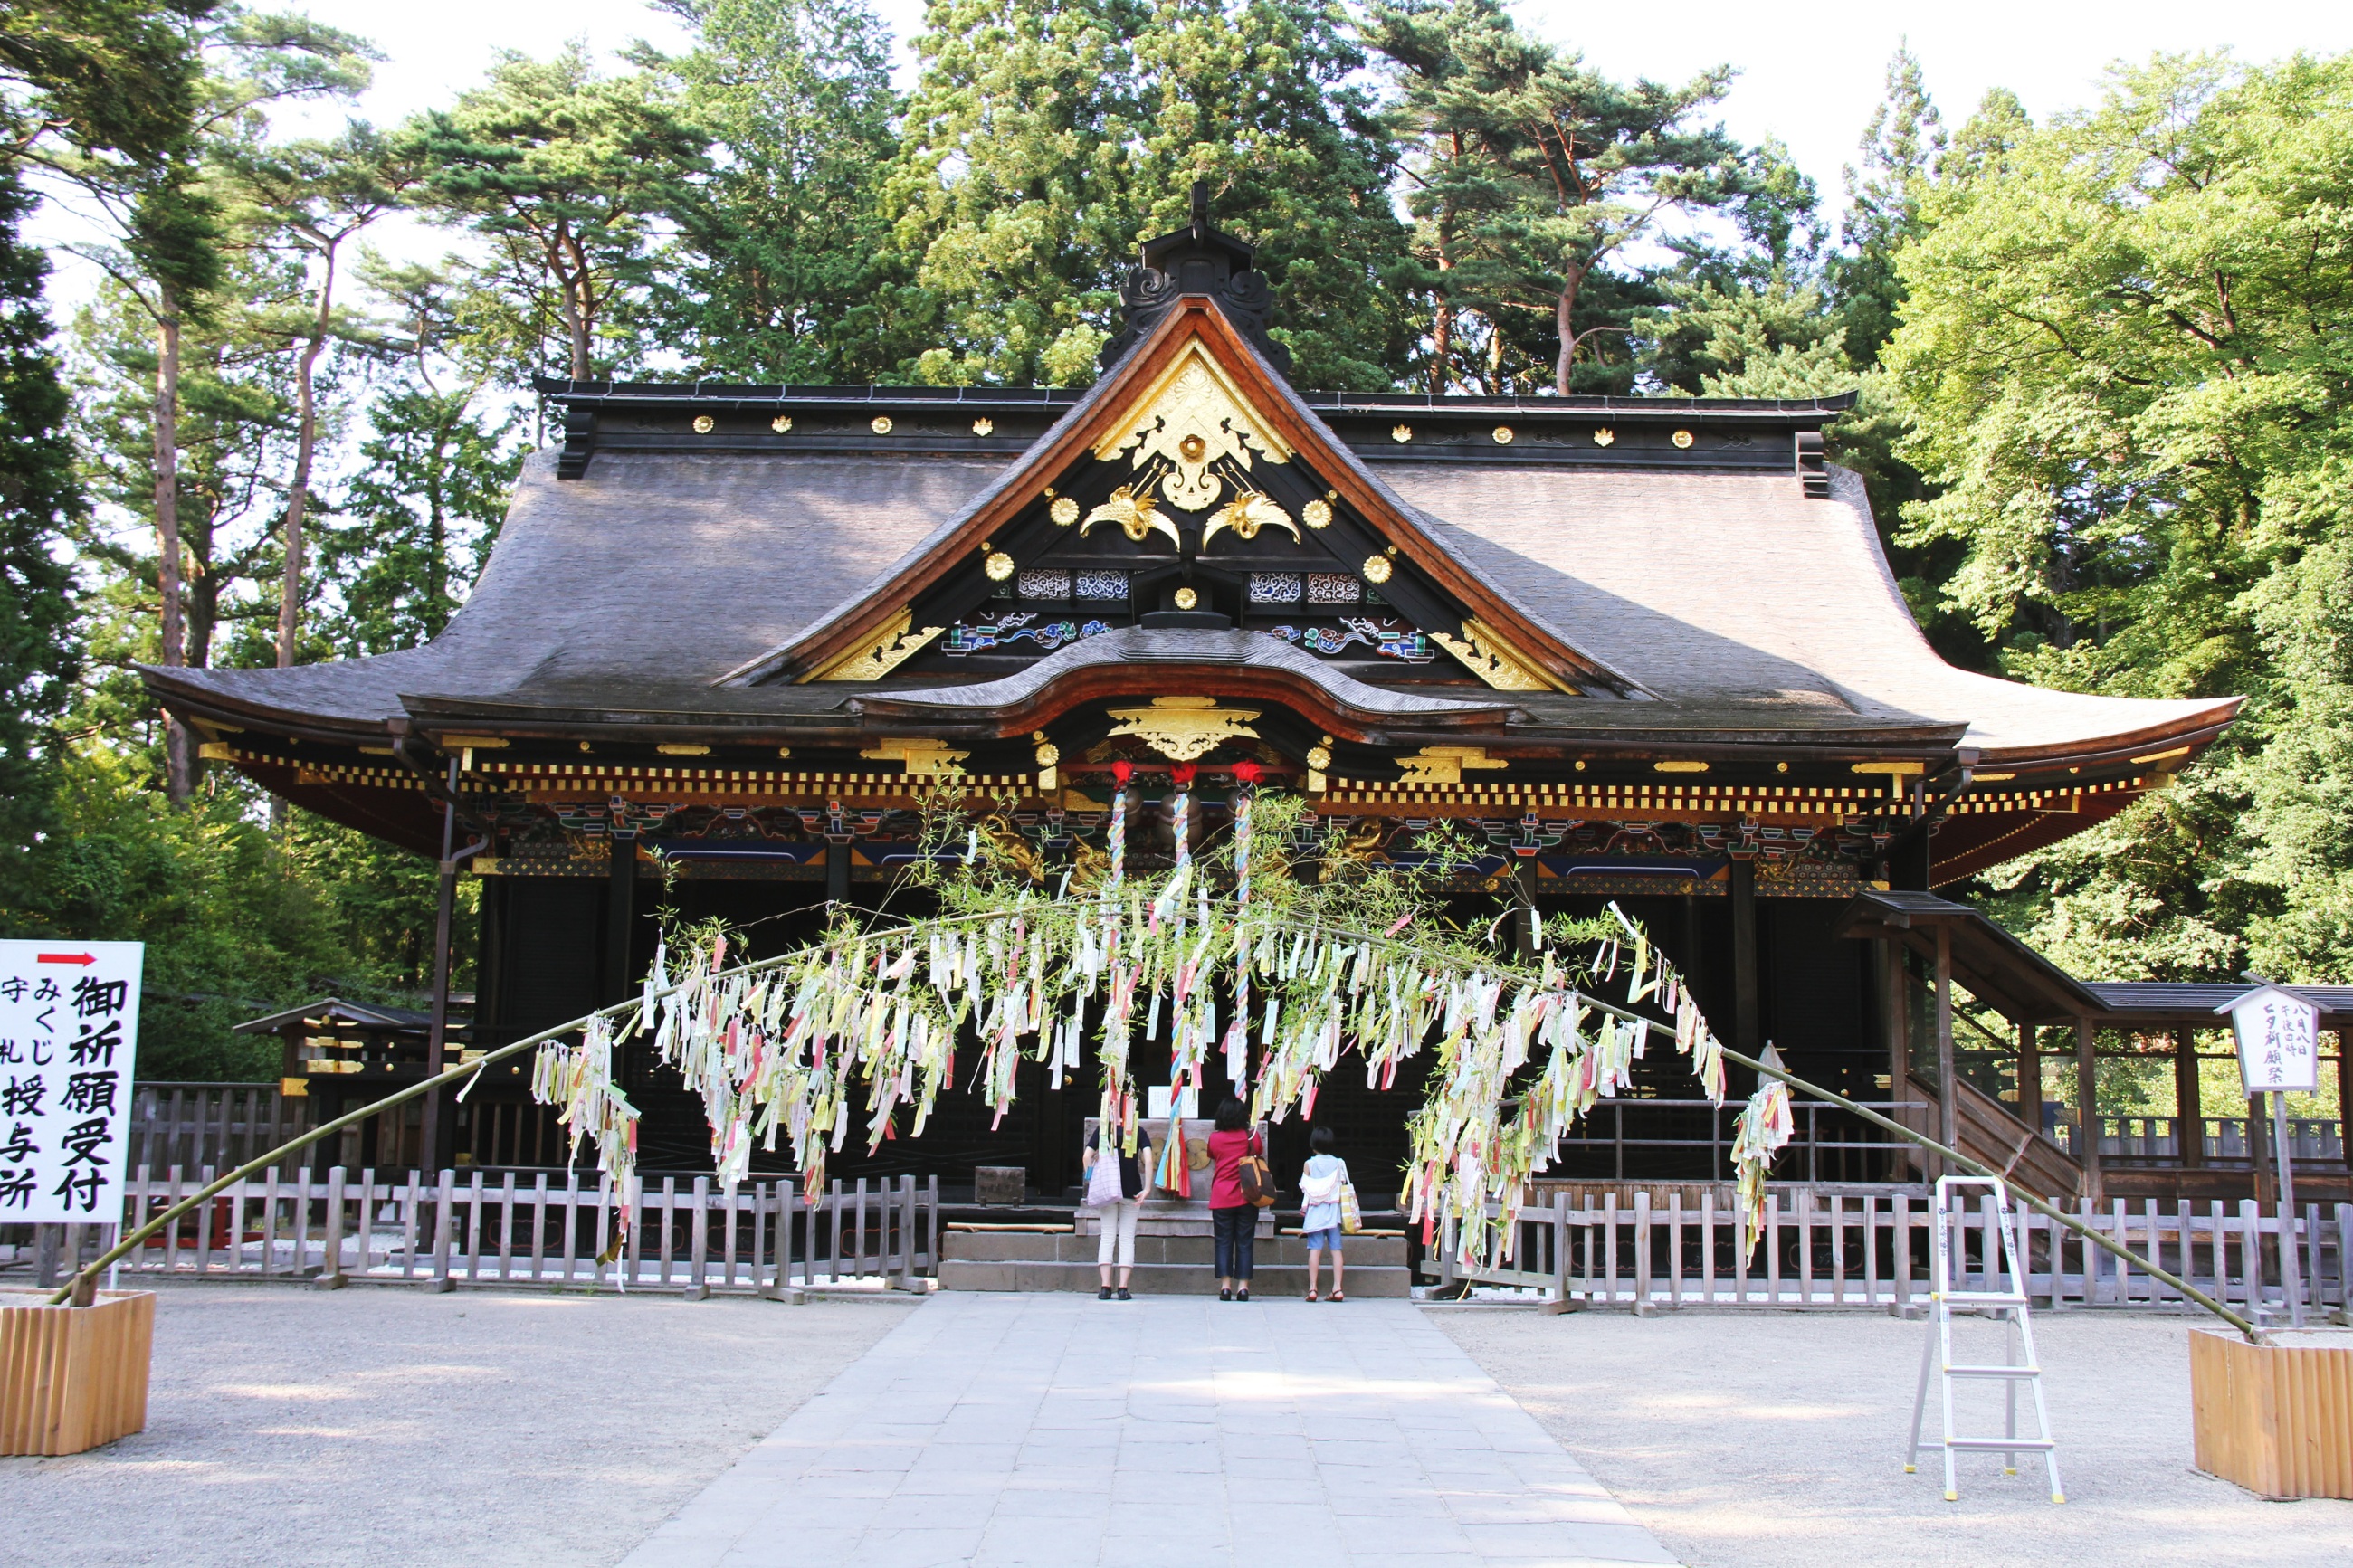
[1257, 1181]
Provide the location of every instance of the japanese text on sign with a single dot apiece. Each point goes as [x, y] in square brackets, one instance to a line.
[68, 1037]
[2279, 1041]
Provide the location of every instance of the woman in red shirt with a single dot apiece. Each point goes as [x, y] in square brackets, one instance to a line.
[1233, 1218]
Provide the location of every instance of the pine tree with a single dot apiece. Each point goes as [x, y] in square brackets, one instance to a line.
[772, 276]
[1901, 149]
[1260, 100]
[1546, 173]
[568, 174]
[1013, 199]
[40, 497]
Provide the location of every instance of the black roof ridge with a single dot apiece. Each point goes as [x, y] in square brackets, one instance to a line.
[562, 390]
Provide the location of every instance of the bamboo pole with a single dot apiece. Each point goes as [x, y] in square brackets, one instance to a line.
[84, 1283]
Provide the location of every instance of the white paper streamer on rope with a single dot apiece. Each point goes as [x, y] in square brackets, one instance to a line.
[859, 1030]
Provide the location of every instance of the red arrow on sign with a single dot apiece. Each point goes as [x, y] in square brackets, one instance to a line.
[82, 958]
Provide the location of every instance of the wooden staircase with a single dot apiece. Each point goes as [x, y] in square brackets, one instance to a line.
[1992, 1134]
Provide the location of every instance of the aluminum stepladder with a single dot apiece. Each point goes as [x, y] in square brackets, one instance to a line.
[2010, 1306]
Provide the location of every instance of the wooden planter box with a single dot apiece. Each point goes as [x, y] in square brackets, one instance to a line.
[73, 1377]
[2277, 1419]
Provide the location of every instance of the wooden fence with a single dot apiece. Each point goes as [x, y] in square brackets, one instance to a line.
[1867, 1247]
[223, 1125]
[468, 1229]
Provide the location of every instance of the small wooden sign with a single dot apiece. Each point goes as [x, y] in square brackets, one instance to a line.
[2279, 1040]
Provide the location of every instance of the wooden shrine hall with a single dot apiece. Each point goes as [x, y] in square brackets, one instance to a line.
[1646, 650]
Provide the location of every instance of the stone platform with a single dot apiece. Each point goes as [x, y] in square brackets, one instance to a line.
[1165, 1264]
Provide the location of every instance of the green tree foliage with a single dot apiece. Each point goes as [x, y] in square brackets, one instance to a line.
[772, 275]
[1543, 172]
[437, 465]
[1012, 200]
[1260, 99]
[568, 174]
[2124, 351]
[1900, 153]
[40, 499]
[1046, 138]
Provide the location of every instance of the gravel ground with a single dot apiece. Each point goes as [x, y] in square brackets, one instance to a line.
[387, 1427]
[1757, 1441]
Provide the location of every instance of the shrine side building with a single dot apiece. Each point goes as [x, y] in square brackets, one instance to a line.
[1647, 650]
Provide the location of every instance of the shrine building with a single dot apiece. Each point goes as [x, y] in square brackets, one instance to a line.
[1646, 650]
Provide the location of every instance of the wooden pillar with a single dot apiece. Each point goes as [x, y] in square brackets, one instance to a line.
[2189, 1108]
[2087, 1107]
[436, 1035]
[2030, 1075]
[836, 869]
[1948, 1089]
[2259, 1147]
[2345, 1095]
[620, 915]
[1892, 1021]
[1744, 1008]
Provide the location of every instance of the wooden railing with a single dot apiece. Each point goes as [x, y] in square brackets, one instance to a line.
[1848, 1247]
[472, 1229]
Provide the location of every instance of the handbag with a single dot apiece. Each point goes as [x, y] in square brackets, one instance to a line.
[1352, 1219]
[1102, 1180]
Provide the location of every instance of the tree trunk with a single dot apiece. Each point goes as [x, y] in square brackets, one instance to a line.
[306, 436]
[179, 746]
[1563, 314]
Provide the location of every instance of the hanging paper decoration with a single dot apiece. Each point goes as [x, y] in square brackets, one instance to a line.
[846, 1033]
[1764, 1127]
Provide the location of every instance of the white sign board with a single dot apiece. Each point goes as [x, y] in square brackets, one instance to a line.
[68, 1040]
[2279, 1040]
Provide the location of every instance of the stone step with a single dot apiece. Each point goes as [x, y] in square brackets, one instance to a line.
[1189, 1251]
[1269, 1282]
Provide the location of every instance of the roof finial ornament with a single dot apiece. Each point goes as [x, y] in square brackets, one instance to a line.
[1199, 258]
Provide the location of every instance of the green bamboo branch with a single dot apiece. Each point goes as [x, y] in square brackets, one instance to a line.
[2253, 1334]
[80, 1288]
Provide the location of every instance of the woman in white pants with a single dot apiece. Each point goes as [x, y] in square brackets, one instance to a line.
[1117, 1213]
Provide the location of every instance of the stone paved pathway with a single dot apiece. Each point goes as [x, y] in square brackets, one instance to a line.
[997, 1429]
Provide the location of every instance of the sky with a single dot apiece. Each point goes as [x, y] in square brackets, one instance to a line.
[1808, 75]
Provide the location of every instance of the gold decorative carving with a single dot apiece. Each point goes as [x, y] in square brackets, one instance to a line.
[984, 426]
[1136, 515]
[880, 424]
[1184, 728]
[1064, 511]
[1604, 437]
[1683, 438]
[999, 566]
[1401, 434]
[1678, 767]
[1316, 514]
[781, 424]
[1192, 416]
[882, 653]
[680, 749]
[1503, 435]
[1376, 568]
[1187, 598]
[1246, 515]
[1493, 659]
[1444, 764]
[703, 423]
[919, 755]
